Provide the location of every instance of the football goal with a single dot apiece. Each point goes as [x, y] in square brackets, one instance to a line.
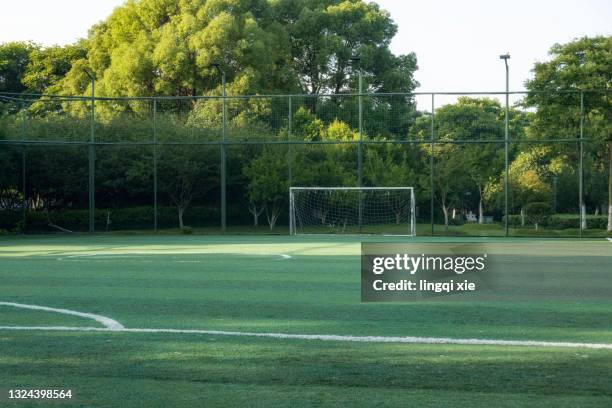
[352, 210]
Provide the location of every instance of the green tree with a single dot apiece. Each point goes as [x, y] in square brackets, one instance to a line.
[167, 47]
[185, 174]
[14, 60]
[583, 64]
[473, 166]
[267, 184]
[325, 34]
[391, 165]
[48, 66]
[471, 120]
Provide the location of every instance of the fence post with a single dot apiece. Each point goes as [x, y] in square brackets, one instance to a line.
[155, 164]
[360, 149]
[506, 159]
[289, 129]
[223, 166]
[581, 170]
[24, 200]
[92, 158]
[431, 165]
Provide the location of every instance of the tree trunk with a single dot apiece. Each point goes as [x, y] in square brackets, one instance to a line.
[445, 211]
[583, 220]
[610, 190]
[522, 218]
[181, 210]
[272, 216]
[256, 213]
[480, 206]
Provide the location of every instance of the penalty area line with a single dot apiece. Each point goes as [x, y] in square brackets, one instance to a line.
[325, 337]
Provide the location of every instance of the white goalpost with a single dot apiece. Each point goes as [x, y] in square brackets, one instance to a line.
[352, 210]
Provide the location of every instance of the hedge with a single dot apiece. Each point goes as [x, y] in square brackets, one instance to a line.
[122, 218]
[564, 221]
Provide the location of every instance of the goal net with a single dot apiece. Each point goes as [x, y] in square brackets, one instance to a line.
[352, 210]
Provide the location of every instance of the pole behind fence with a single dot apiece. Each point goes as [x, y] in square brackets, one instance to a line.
[431, 165]
[91, 179]
[223, 159]
[289, 130]
[360, 149]
[155, 226]
[581, 170]
[24, 200]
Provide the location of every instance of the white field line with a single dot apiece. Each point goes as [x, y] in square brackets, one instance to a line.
[115, 255]
[115, 326]
[109, 323]
[325, 337]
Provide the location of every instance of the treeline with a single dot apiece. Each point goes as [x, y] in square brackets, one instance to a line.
[304, 48]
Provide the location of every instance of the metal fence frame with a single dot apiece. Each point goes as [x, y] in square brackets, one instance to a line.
[21, 140]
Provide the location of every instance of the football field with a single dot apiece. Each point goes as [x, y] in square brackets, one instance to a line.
[162, 321]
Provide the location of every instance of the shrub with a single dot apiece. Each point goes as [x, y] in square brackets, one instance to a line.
[537, 213]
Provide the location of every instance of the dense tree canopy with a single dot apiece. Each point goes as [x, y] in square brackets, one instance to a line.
[149, 47]
[14, 60]
[583, 65]
[305, 47]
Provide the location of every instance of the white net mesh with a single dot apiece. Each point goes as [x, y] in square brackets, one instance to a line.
[352, 210]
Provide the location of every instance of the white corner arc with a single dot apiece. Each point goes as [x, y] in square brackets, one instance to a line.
[105, 321]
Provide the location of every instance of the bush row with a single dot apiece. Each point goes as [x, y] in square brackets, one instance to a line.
[121, 218]
[563, 221]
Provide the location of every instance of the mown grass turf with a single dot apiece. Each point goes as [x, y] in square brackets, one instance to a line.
[144, 370]
[241, 283]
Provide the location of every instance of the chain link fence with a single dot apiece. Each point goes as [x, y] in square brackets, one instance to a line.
[225, 164]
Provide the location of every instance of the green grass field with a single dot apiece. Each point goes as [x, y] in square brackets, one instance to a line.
[244, 284]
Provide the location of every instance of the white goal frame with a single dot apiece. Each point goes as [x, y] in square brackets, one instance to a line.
[410, 229]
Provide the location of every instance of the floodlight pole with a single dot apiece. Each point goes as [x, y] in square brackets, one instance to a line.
[506, 57]
[92, 154]
[223, 137]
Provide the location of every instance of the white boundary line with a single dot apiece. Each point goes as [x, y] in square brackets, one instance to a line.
[109, 323]
[115, 326]
[115, 255]
[336, 338]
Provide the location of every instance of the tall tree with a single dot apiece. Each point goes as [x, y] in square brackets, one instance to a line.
[324, 36]
[267, 184]
[583, 64]
[48, 66]
[167, 47]
[14, 60]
